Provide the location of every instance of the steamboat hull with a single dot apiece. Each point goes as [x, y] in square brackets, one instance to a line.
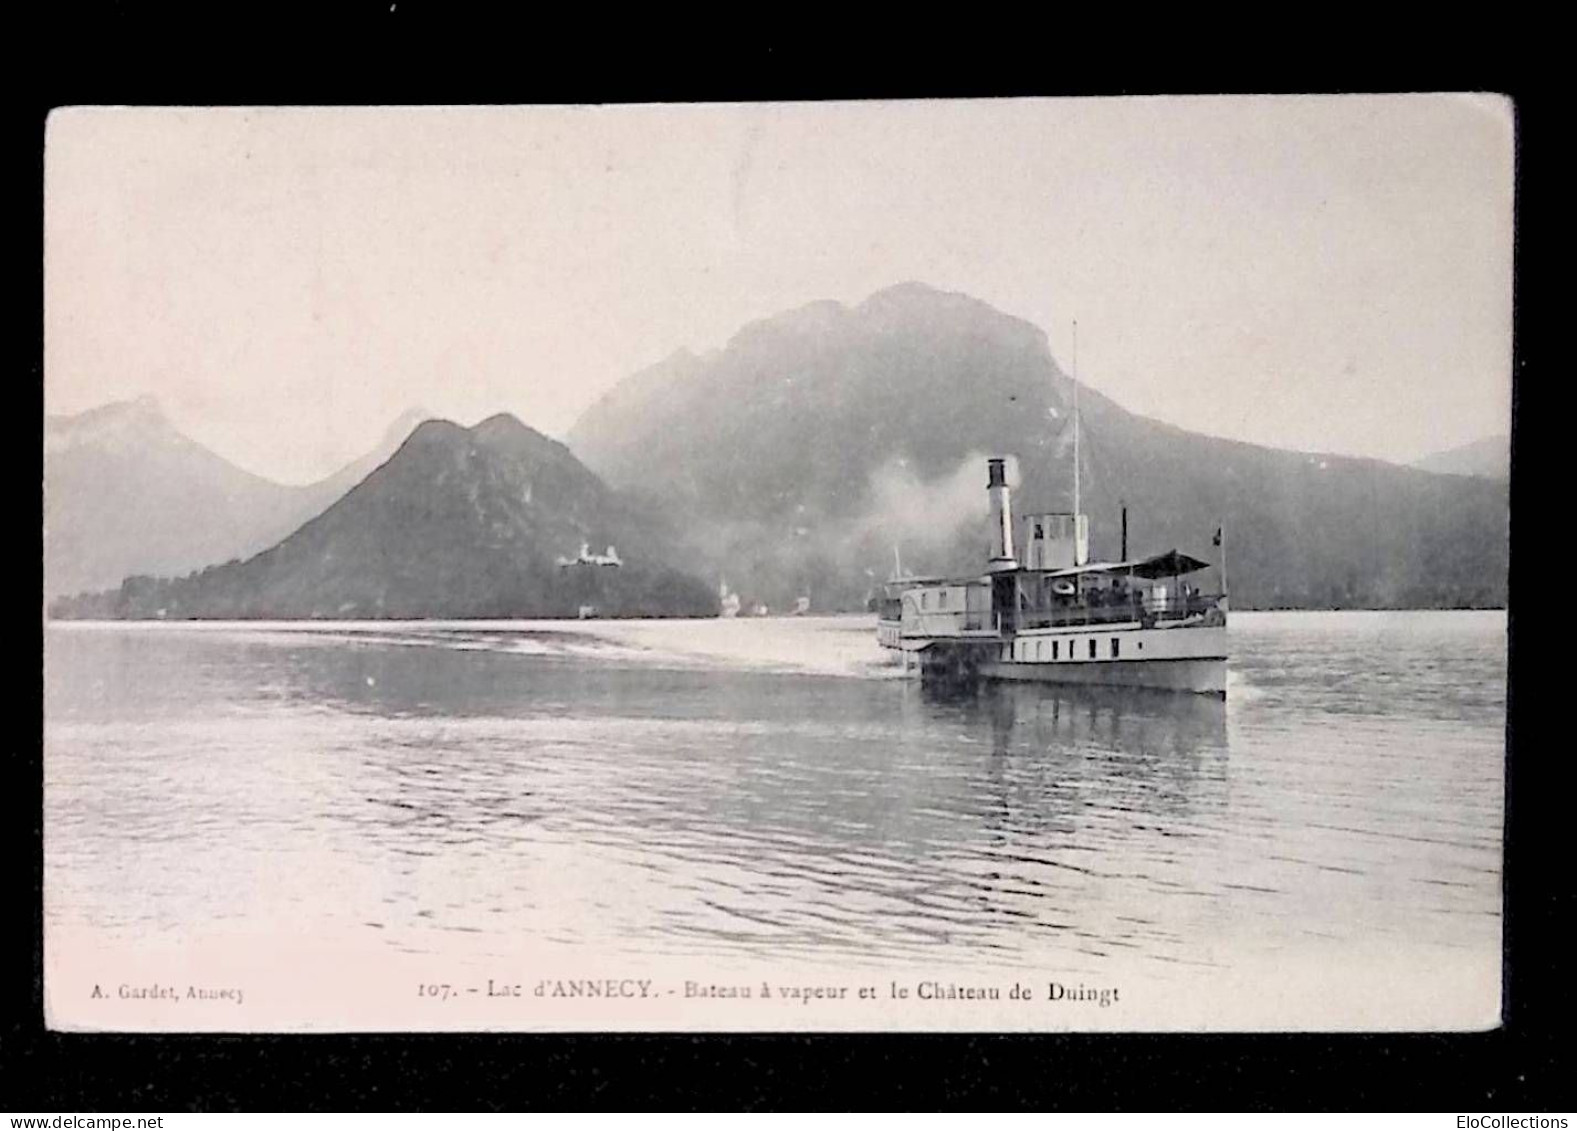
[1181, 659]
[1203, 677]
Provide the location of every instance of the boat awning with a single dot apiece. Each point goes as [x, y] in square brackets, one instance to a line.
[1170, 564]
[926, 582]
[1092, 567]
[1173, 563]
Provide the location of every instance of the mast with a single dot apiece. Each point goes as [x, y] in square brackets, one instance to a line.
[1075, 427]
[1221, 540]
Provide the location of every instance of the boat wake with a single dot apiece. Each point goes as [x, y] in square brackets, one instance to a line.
[839, 646]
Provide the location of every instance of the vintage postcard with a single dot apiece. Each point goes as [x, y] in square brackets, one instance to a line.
[1003, 565]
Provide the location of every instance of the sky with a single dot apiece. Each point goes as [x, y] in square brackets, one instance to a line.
[1329, 274]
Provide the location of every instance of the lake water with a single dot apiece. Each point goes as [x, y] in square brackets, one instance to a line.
[745, 793]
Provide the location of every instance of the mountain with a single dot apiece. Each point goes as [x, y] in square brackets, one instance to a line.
[801, 453]
[460, 522]
[1489, 458]
[122, 487]
[318, 497]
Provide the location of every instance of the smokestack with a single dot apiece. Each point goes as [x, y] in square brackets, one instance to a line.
[1001, 517]
[1124, 556]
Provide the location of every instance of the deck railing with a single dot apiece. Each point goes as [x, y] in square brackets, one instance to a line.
[1127, 609]
[1173, 607]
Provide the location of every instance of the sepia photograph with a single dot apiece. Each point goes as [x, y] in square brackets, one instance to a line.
[981, 566]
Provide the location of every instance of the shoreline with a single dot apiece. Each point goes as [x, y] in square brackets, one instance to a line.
[474, 622]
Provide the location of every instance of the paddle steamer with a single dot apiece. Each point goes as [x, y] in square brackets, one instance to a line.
[1060, 618]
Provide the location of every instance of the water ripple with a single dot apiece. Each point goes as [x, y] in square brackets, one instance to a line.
[768, 789]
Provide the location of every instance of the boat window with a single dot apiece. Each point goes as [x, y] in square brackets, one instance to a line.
[1116, 647]
[1092, 647]
[1055, 648]
[941, 599]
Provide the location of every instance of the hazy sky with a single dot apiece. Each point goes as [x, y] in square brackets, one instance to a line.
[1329, 273]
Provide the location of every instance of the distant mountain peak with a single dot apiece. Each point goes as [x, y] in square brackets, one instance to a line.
[458, 522]
[436, 429]
[127, 492]
[502, 432]
[912, 290]
[116, 423]
[901, 303]
[811, 318]
[801, 452]
[506, 434]
[1487, 458]
[404, 424]
[503, 424]
[144, 407]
